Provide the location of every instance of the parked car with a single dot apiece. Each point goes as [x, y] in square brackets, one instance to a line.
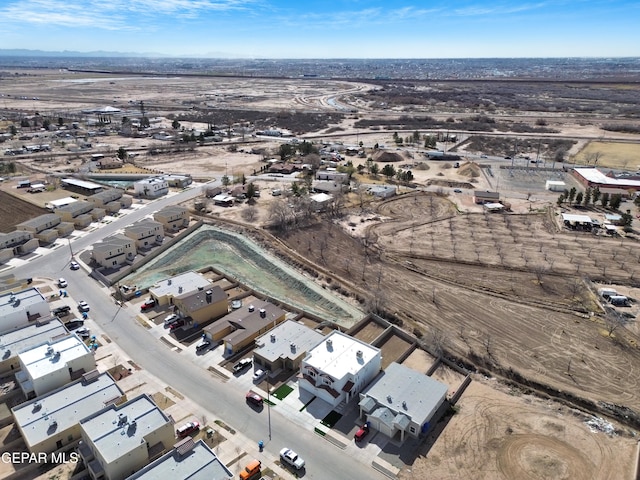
[204, 344]
[242, 364]
[83, 306]
[62, 283]
[362, 432]
[457, 190]
[254, 398]
[148, 304]
[291, 458]
[259, 375]
[74, 266]
[169, 319]
[177, 324]
[83, 332]
[187, 429]
[61, 311]
[251, 470]
[74, 324]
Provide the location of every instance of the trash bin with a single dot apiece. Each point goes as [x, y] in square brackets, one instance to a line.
[138, 293]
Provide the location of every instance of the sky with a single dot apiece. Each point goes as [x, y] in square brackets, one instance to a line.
[326, 28]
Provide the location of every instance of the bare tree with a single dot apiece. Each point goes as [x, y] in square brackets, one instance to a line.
[250, 214]
[437, 341]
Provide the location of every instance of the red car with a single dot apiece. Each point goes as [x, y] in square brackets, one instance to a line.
[148, 304]
[254, 398]
[187, 429]
[362, 432]
[177, 324]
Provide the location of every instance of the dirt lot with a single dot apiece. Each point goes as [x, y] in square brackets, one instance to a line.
[14, 210]
[501, 434]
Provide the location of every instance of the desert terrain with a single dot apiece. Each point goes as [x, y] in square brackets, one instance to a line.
[511, 296]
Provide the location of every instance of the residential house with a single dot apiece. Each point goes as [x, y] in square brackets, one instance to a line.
[187, 460]
[284, 347]
[480, 196]
[402, 402]
[78, 213]
[166, 290]
[25, 338]
[241, 327]
[41, 225]
[151, 187]
[201, 305]
[172, 217]
[339, 368]
[145, 233]
[382, 191]
[52, 421]
[17, 243]
[22, 308]
[117, 441]
[333, 175]
[114, 251]
[53, 364]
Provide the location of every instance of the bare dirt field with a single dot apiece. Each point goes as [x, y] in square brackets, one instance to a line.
[502, 434]
[14, 210]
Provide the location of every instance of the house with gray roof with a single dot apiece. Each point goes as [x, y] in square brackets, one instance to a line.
[284, 347]
[165, 290]
[173, 217]
[145, 233]
[188, 460]
[117, 441]
[401, 402]
[114, 251]
[52, 421]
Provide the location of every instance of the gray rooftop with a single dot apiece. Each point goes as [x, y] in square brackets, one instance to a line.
[189, 461]
[142, 226]
[405, 391]
[288, 340]
[40, 220]
[112, 241]
[199, 299]
[114, 438]
[183, 283]
[16, 341]
[107, 195]
[66, 405]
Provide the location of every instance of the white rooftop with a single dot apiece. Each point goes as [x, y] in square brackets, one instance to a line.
[66, 406]
[596, 176]
[115, 431]
[52, 356]
[570, 217]
[337, 355]
[25, 338]
[81, 183]
[18, 301]
[287, 340]
[321, 197]
[189, 281]
[190, 461]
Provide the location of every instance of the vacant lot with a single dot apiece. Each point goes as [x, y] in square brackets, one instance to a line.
[13, 211]
[505, 435]
[625, 156]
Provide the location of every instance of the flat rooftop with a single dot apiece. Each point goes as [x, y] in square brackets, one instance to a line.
[407, 391]
[187, 461]
[183, 283]
[9, 302]
[114, 437]
[337, 354]
[16, 341]
[42, 360]
[66, 406]
[596, 176]
[287, 340]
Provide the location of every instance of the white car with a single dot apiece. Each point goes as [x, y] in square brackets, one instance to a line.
[62, 283]
[83, 306]
[169, 319]
[291, 458]
[258, 375]
[75, 266]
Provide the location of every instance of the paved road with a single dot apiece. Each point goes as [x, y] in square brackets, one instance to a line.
[324, 460]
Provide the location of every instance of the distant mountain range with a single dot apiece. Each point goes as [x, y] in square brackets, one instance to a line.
[23, 52]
